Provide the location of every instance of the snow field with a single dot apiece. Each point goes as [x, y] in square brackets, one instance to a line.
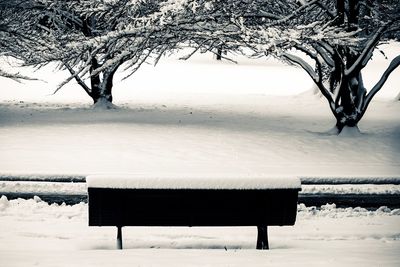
[250, 134]
[198, 116]
[36, 233]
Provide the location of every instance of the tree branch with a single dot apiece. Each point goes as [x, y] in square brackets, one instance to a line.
[393, 65]
[295, 12]
[299, 61]
[16, 76]
[366, 54]
[78, 79]
[317, 79]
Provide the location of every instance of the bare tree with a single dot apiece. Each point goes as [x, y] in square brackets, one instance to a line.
[340, 37]
[91, 40]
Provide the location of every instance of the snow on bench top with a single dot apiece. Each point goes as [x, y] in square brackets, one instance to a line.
[192, 182]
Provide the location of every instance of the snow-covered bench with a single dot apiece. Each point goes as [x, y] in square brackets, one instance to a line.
[134, 200]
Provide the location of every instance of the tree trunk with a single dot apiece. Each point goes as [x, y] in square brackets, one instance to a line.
[351, 94]
[344, 121]
[354, 10]
[102, 91]
[108, 85]
[350, 104]
[219, 53]
[101, 87]
[340, 7]
[95, 81]
[99, 95]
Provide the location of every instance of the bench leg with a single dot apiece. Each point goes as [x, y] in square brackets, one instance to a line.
[262, 237]
[119, 237]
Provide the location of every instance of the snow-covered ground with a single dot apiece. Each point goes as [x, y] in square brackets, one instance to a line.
[199, 117]
[34, 233]
[240, 134]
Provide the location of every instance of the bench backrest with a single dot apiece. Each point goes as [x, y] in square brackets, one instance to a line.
[191, 207]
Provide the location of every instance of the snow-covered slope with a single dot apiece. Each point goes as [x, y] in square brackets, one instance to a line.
[208, 134]
[199, 116]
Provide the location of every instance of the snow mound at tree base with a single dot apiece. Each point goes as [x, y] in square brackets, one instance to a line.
[350, 131]
[104, 104]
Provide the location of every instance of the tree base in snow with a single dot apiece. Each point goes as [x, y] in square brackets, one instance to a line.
[104, 104]
[350, 131]
[353, 131]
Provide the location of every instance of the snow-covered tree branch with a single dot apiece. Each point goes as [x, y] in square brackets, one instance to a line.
[12, 35]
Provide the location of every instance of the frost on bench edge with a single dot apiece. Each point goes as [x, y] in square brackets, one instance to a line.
[192, 182]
